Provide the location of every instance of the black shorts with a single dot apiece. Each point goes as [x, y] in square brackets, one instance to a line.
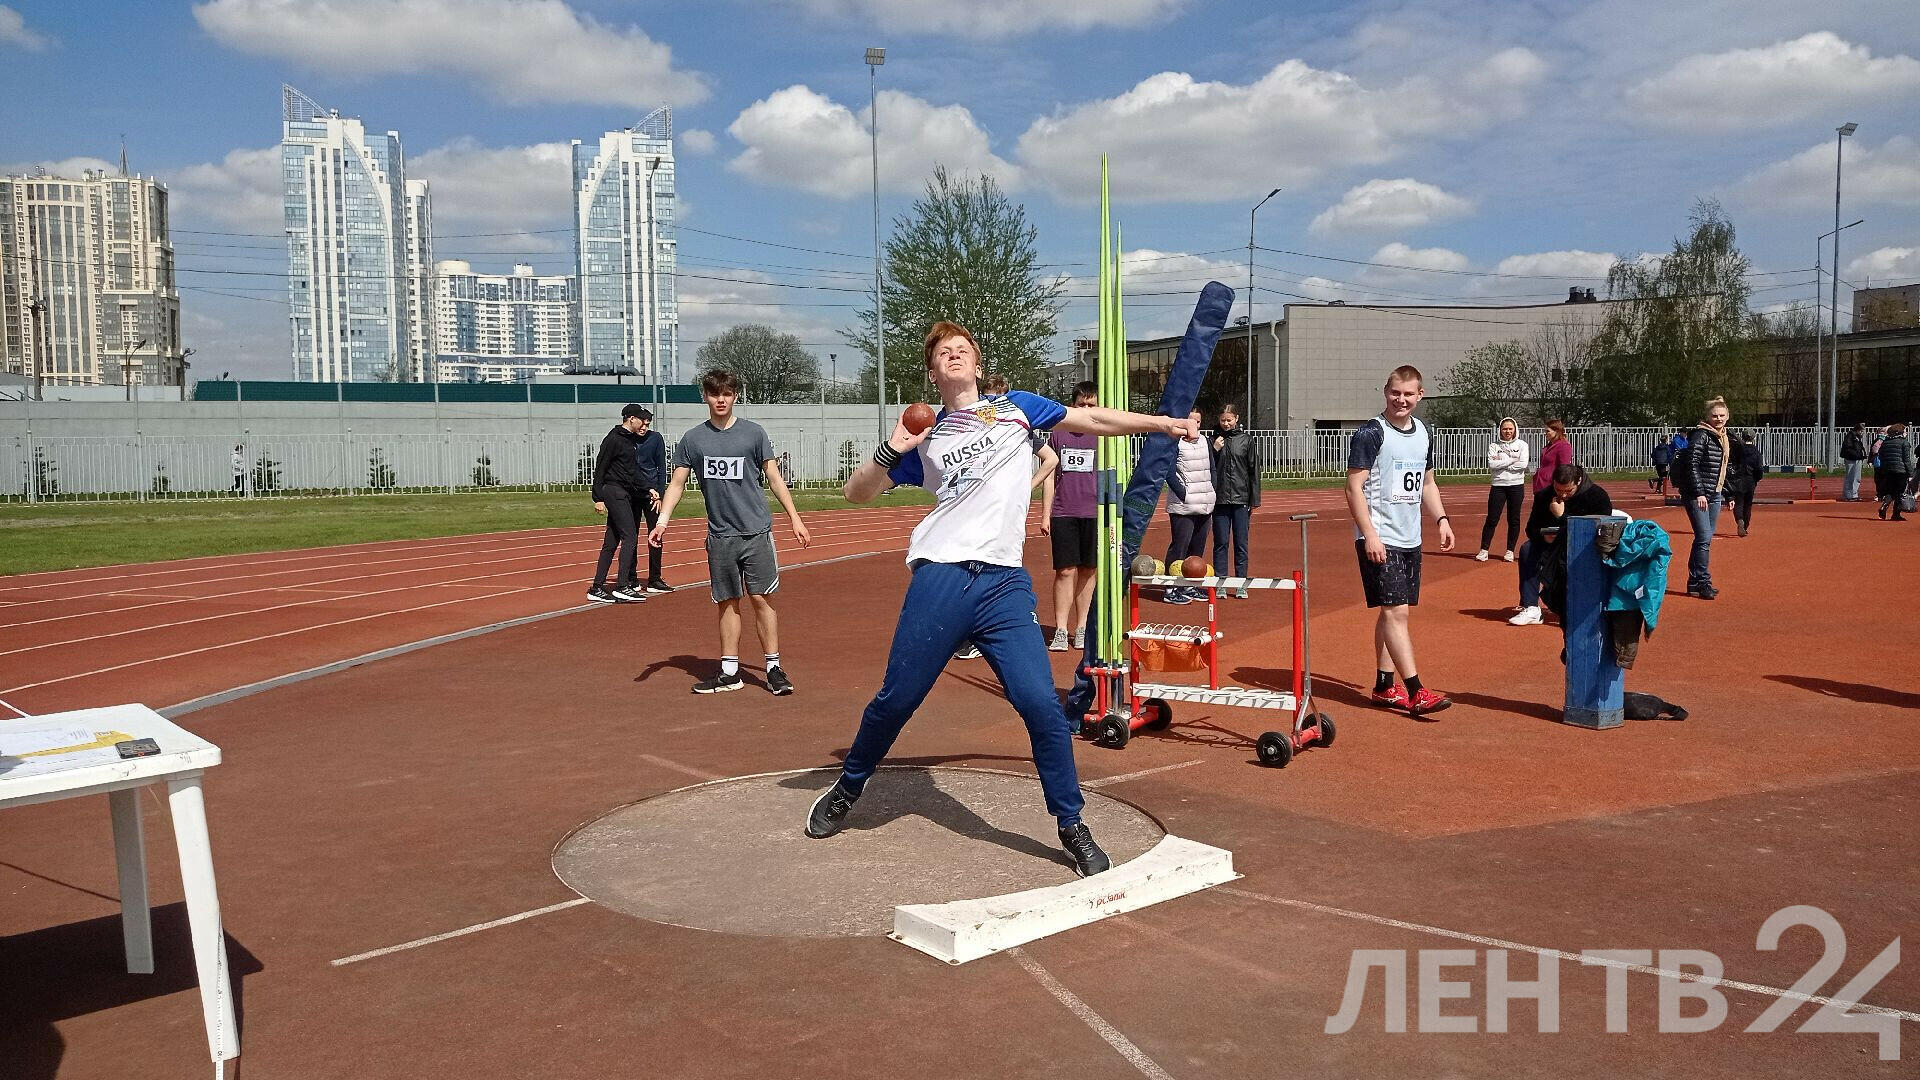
[1394, 582]
[1073, 542]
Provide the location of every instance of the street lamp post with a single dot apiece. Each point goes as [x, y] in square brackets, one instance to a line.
[1833, 303]
[875, 58]
[37, 309]
[126, 365]
[1819, 342]
[1250, 343]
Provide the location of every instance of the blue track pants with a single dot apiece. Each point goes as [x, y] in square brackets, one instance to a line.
[946, 604]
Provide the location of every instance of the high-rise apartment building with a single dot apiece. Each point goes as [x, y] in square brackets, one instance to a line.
[419, 281]
[87, 292]
[347, 214]
[624, 248]
[502, 327]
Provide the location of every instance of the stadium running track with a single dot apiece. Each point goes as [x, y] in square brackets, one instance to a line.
[171, 633]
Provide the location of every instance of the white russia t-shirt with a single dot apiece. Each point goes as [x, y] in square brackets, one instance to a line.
[978, 462]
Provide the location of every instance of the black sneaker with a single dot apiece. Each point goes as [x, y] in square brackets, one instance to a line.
[778, 682]
[658, 586]
[719, 684]
[830, 811]
[630, 594]
[967, 651]
[600, 594]
[1087, 857]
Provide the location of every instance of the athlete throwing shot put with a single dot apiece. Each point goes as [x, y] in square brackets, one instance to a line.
[968, 580]
[1389, 481]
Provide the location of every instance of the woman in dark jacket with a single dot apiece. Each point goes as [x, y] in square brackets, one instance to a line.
[1744, 472]
[1894, 471]
[1569, 494]
[1236, 486]
[1709, 460]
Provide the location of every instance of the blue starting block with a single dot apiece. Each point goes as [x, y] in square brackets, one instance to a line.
[1594, 682]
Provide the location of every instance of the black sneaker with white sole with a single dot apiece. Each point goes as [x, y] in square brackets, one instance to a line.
[719, 684]
[778, 683]
[630, 594]
[600, 594]
[830, 811]
[658, 586]
[1087, 857]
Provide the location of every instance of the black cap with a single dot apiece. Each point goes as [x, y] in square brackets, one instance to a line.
[635, 410]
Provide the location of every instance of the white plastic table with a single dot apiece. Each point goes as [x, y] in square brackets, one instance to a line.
[182, 759]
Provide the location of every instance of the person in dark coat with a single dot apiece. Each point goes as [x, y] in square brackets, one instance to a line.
[1744, 473]
[1894, 471]
[1569, 493]
[1709, 457]
[1853, 451]
[650, 456]
[1236, 486]
[617, 487]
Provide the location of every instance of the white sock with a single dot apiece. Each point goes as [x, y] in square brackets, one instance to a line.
[773, 660]
[729, 665]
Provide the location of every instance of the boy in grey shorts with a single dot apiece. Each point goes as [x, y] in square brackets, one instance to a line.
[732, 457]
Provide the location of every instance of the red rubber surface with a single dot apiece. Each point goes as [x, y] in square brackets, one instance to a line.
[424, 793]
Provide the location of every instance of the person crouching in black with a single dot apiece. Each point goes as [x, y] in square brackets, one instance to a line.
[617, 486]
[1543, 556]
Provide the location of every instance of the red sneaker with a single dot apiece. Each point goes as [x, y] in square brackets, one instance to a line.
[1393, 697]
[1426, 701]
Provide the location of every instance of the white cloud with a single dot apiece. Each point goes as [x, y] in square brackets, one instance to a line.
[1405, 203]
[534, 51]
[1887, 265]
[697, 141]
[13, 31]
[803, 139]
[1889, 175]
[992, 18]
[1173, 138]
[1786, 81]
[242, 191]
[1433, 258]
[708, 306]
[526, 190]
[1576, 266]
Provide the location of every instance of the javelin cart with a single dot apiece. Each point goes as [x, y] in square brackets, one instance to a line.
[1124, 704]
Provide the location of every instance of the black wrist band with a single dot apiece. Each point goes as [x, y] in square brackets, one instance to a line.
[886, 456]
[1441, 518]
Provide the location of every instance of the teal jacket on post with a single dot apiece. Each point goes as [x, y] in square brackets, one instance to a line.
[1637, 571]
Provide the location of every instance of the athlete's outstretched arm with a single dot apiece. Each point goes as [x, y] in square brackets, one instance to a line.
[1094, 420]
[870, 478]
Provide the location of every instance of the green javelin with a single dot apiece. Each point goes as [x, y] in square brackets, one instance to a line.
[1111, 453]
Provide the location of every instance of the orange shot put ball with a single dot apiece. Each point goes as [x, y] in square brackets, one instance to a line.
[1194, 566]
[917, 418]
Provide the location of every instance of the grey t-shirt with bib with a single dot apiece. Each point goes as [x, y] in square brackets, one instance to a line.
[727, 463]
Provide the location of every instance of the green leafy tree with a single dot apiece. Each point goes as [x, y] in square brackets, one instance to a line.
[1682, 336]
[774, 367]
[964, 252]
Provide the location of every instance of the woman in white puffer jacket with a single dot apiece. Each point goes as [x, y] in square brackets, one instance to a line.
[1507, 464]
[1190, 502]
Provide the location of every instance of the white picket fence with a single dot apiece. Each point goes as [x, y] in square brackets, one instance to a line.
[202, 467]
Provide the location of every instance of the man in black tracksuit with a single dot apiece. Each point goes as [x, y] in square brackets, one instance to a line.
[650, 455]
[617, 486]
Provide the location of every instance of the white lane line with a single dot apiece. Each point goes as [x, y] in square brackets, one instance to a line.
[1120, 1043]
[689, 727]
[10, 708]
[1575, 958]
[1124, 777]
[462, 932]
[674, 766]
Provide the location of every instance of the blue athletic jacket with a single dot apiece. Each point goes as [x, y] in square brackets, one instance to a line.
[1637, 571]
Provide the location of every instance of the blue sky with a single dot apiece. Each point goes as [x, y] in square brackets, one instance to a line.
[1527, 138]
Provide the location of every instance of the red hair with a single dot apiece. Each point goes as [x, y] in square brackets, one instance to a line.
[943, 330]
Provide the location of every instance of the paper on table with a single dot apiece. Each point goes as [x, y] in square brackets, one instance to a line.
[12, 768]
[34, 740]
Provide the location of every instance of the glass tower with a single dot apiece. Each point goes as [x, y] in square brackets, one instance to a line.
[624, 249]
[345, 198]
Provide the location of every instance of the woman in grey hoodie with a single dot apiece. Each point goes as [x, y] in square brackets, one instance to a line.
[1507, 461]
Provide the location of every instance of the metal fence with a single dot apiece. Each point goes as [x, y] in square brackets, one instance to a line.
[212, 467]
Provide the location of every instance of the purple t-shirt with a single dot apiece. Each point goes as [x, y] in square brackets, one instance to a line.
[1073, 492]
